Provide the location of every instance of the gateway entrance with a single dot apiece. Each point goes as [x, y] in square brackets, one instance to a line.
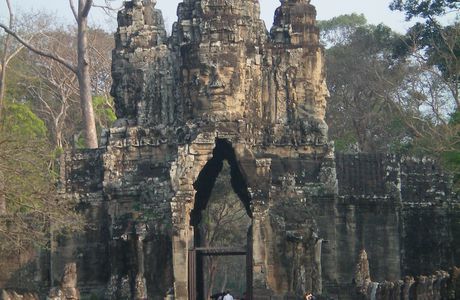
[221, 258]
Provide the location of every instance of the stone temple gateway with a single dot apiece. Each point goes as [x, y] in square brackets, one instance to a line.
[222, 88]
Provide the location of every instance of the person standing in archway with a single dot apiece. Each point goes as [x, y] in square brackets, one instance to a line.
[228, 296]
[309, 296]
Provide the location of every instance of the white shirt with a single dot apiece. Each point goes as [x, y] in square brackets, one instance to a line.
[228, 297]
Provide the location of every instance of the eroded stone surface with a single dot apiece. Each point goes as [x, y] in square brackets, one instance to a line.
[440, 285]
[12, 295]
[68, 289]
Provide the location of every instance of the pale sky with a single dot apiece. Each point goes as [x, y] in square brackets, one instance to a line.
[376, 11]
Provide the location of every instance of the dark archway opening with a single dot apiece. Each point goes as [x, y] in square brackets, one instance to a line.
[222, 219]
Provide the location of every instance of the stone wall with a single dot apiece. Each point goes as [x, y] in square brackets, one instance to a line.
[440, 285]
[401, 210]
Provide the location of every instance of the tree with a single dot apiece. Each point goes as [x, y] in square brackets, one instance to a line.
[426, 9]
[393, 93]
[362, 78]
[436, 49]
[8, 52]
[56, 90]
[81, 68]
[30, 207]
[83, 71]
[52, 90]
[437, 45]
[340, 29]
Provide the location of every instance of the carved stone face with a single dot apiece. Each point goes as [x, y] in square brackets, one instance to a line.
[212, 89]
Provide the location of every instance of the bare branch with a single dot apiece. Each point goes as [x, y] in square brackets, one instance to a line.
[40, 52]
[85, 9]
[74, 10]
[13, 55]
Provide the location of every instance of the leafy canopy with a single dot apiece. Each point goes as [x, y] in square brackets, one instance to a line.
[28, 184]
[426, 9]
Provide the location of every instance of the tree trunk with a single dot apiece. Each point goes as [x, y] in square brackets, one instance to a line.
[58, 136]
[3, 76]
[84, 79]
[212, 267]
[224, 284]
[456, 94]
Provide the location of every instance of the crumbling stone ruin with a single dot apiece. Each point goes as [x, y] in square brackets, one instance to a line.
[440, 285]
[68, 289]
[13, 295]
[222, 88]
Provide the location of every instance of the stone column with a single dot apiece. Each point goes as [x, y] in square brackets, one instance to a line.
[261, 231]
[318, 265]
[140, 286]
[181, 243]
[69, 282]
[68, 289]
[362, 274]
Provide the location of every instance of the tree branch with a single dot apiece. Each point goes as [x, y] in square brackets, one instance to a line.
[43, 53]
[74, 10]
[86, 8]
[12, 55]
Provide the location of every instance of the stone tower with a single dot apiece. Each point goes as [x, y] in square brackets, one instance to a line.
[223, 88]
[220, 88]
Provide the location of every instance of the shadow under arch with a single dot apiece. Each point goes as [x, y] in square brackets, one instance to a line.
[203, 186]
[208, 175]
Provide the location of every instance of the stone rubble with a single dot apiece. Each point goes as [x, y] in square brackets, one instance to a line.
[439, 286]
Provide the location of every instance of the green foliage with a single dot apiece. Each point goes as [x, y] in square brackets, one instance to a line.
[426, 9]
[22, 122]
[451, 160]
[386, 97]
[351, 21]
[28, 184]
[440, 45]
[451, 157]
[103, 109]
[79, 141]
[345, 143]
[25, 170]
[18, 77]
[362, 75]
[455, 118]
[339, 29]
